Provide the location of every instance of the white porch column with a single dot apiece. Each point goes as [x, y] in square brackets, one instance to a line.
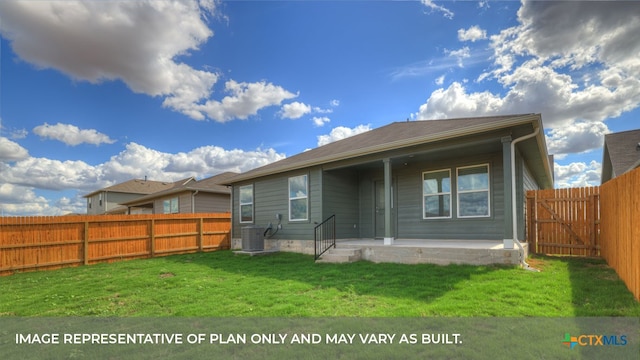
[388, 234]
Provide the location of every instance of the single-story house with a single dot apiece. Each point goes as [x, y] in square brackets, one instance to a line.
[108, 200]
[454, 179]
[621, 154]
[188, 196]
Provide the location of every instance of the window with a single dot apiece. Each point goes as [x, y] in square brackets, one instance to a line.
[246, 204]
[436, 194]
[170, 206]
[298, 198]
[473, 191]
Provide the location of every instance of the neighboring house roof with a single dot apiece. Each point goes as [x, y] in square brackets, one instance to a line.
[621, 153]
[213, 184]
[138, 186]
[399, 135]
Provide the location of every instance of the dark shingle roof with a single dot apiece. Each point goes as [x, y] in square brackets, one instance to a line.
[213, 184]
[138, 186]
[623, 150]
[393, 136]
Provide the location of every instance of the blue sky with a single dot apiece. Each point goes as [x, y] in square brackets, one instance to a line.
[93, 93]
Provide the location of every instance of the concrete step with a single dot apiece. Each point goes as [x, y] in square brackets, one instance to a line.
[341, 255]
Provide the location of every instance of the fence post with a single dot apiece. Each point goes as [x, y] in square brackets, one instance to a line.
[152, 231]
[200, 232]
[86, 243]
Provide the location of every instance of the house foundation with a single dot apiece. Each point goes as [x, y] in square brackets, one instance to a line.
[405, 251]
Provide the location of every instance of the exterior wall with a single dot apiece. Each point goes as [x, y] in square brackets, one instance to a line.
[524, 181]
[341, 198]
[110, 200]
[207, 202]
[184, 203]
[349, 194]
[411, 224]
[271, 197]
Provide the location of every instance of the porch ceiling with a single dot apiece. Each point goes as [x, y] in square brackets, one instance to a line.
[423, 153]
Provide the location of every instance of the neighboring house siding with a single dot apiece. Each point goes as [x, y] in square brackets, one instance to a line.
[110, 200]
[184, 203]
[213, 203]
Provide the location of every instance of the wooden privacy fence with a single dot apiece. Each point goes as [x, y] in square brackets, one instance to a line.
[564, 221]
[620, 227]
[593, 221]
[28, 243]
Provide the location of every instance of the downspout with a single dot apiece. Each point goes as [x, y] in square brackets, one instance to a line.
[193, 201]
[514, 213]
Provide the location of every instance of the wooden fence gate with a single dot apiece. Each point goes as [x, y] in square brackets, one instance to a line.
[564, 221]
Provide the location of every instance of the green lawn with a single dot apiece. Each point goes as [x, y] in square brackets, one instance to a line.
[292, 285]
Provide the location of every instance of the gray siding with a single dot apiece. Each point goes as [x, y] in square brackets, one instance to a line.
[349, 194]
[110, 200]
[525, 182]
[206, 202]
[409, 205]
[340, 194]
[271, 197]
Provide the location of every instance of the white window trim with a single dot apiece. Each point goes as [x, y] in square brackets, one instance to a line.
[488, 191]
[249, 203]
[306, 218]
[450, 193]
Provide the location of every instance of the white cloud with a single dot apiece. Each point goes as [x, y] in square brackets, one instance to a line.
[11, 151]
[455, 102]
[576, 138]
[459, 54]
[135, 161]
[42, 173]
[294, 110]
[71, 134]
[472, 34]
[573, 62]
[22, 176]
[320, 121]
[21, 200]
[440, 80]
[334, 103]
[137, 42]
[431, 5]
[245, 100]
[19, 134]
[577, 174]
[342, 132]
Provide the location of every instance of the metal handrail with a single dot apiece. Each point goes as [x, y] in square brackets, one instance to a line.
[324, 236]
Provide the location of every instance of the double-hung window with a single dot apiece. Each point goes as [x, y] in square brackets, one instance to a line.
[436, 194]
[246, 204]
[298, 198]
[473, 191]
